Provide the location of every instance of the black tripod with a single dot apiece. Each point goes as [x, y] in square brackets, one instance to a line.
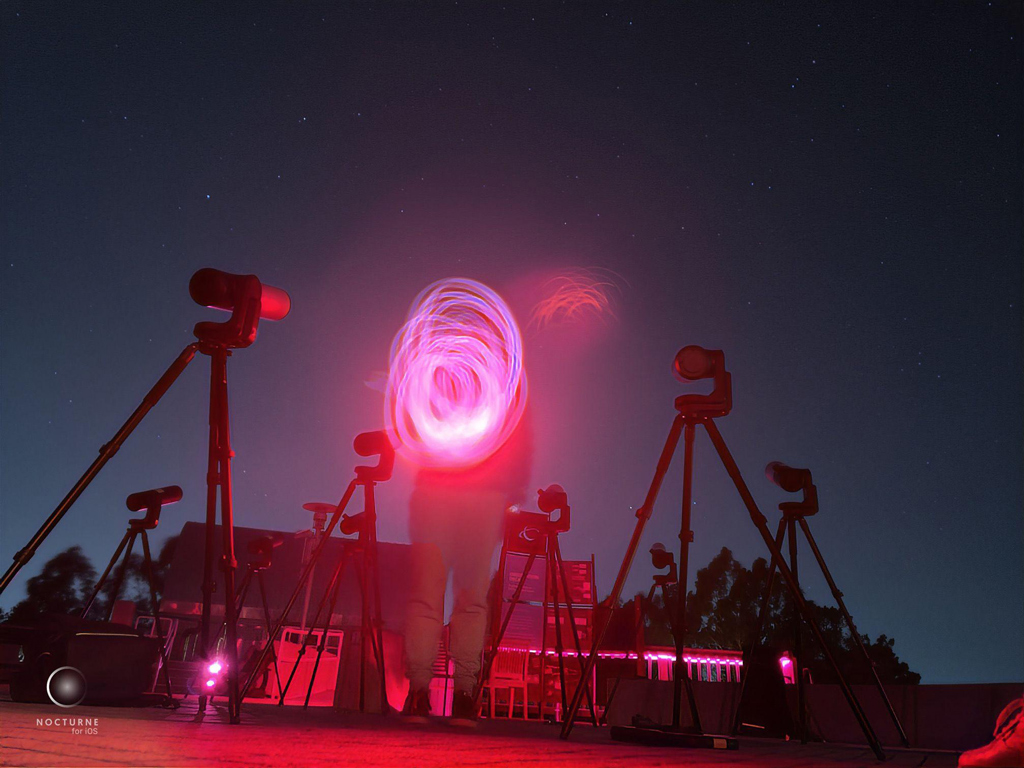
[795, 513]
[365, 524]
[695, 363]
[151, 501]
[248, 300]
[370, 625]
[662, 559]
[544, 540]
[261, 551]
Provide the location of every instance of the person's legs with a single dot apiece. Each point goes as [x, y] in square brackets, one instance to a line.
[471, 577]
[424, 613]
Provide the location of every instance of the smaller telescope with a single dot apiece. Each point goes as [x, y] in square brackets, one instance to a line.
[693, 363]
[151, 501]
[262, 549]
[352, 523]
[662, 559]
[794, 480]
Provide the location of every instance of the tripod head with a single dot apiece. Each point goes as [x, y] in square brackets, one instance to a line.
[152, 501]
[662, 558]
[245, 297]
[695, 363]
[551, 499]
[375, 444]
[794, 480]
[262, 549]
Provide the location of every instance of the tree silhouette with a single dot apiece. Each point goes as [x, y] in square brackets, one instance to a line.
[722, 611]
[67, 579]
[62, 586]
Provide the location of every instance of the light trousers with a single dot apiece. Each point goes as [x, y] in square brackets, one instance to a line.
[455, 531]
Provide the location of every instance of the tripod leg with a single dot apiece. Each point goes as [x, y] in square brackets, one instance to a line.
[853, 630]
[121, 571]
[378, 620]
[107, 452]
[761, 524]
[636, 633]
[377, 616]
[270, 628]
[797, 640]
[213, 470]
[103, 578]
[323, 640]
[147, 564]
[551, 588]
[642, 516]
[335, 579]
[485, 673]
[302, 582]
[762, 615]
[680, 679]
[560, 566]
[219, 375]
[239, 601]
[364, 620]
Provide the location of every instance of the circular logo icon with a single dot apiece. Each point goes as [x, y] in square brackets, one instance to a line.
[66, 687]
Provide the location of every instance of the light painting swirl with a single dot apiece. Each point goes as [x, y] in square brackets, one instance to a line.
[456, 384]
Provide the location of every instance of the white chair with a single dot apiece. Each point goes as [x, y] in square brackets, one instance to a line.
[509, 671]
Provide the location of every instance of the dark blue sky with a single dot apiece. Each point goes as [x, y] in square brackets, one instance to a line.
[829, 193]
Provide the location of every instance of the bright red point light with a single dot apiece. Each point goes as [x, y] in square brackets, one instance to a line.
[215, 668]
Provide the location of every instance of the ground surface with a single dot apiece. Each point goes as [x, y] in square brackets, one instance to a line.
[269, 736]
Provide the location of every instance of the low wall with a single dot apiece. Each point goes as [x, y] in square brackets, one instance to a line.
[955, 717]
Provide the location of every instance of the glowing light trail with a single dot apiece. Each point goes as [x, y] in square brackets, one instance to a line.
[575, 295]
[456, 385]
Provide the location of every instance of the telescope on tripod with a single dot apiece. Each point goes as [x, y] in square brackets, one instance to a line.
[249, 301]
[693, 363]
[152, 502]
[543, 530]
[794, 515]
[362, 552]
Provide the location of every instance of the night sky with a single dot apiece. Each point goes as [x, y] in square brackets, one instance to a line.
[831, 193]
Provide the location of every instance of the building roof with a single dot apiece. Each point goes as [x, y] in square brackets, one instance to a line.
[182, 593]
